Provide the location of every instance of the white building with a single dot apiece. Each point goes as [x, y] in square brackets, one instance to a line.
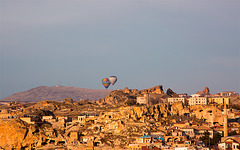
[229, 142]
[47, 117]
[142, 99]
[195, 95]
[197, 101]
[176, 99]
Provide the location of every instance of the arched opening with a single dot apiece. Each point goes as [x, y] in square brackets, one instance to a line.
[169, 140]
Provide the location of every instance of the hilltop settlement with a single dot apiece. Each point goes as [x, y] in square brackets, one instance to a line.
[128, 119]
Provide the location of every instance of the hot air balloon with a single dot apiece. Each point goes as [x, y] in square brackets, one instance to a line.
[113, 79]
[106, 83]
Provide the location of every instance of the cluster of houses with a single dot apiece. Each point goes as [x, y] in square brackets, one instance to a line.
[184, 135]
[197, 99]
[179, 135]
[87, 129]
[194, 99]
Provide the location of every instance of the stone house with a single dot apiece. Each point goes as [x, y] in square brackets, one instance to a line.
[172, 100]
[4, 114]
[229, 142]
[197, 101]
[61, 118]
[177, 132]
[173, 139]
[181, 124]
[234, 126]
[142, 99]
[110, 115]
[82, 118]
[157, 136]
[188, 131]
[31, 119]
[199, 131]
[234, 129]
[47, 117]
[144, 139]
[219, 100]
[181, 145]
[183, 95]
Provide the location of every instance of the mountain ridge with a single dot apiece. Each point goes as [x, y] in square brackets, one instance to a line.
[57, 93]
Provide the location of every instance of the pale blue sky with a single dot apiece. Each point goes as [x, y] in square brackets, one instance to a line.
[184, 45]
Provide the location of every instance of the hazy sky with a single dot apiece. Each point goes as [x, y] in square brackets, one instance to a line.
[184, 45]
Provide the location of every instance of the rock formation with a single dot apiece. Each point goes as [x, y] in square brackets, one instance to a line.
[118, 97]
[126, 90]
[68, 101]
[206, 91]
[128, 96]
[16, 134]
[157, 90]
[171, 93]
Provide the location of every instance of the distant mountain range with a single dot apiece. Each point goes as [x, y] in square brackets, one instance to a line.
[57, 93]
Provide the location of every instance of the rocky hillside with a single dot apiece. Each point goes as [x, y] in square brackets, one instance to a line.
[57, 93]
[16, 134]
[129, 96]
[235, 100]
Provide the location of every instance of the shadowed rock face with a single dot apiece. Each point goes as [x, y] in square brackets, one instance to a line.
[57, 93]
[15, 134]
[171, 93]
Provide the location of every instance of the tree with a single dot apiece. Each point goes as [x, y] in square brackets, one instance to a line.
[232, 133]
[205, 138]
[216, 138]
[210, 141]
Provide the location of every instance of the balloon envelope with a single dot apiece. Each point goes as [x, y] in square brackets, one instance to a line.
[106, 83]
[113, 79]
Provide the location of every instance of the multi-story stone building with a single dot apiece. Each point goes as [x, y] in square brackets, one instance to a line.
[219, 100]
[228, 93]
[143, 99]
[176, 99]
[4, 114]
[198, 101]
[189, 131]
